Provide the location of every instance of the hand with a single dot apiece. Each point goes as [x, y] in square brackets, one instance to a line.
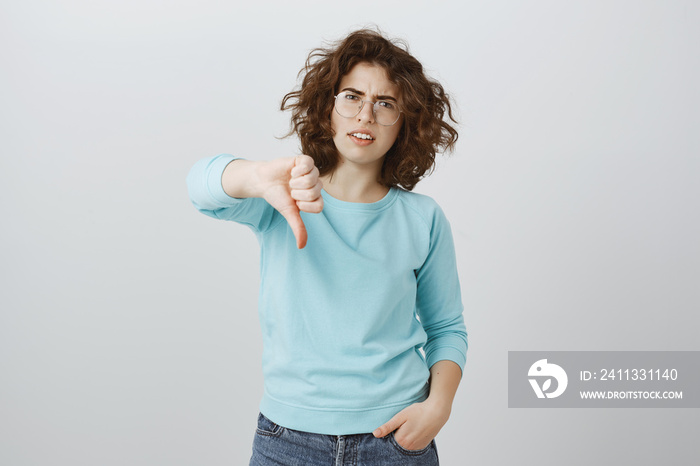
[291, 185]
[417, 425]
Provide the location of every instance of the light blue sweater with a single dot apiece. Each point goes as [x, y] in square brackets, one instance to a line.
[346, 320]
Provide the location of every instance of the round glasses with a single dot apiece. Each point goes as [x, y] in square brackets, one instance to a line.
[348, 104]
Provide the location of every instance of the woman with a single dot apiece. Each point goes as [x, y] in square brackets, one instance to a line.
[360, 307]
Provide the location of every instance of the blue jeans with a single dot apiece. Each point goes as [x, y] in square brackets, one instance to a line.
[279, 446]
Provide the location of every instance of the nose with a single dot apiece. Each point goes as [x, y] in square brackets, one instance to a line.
[366, 113]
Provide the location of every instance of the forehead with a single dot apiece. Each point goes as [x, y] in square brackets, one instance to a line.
[371, 79]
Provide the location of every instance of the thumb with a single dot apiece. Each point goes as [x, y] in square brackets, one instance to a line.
[390, 426]
[291, 214]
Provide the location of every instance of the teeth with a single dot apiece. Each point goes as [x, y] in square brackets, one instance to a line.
[361, 135]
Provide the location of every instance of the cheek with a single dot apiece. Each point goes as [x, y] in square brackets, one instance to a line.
[394, 135]
[334, 124]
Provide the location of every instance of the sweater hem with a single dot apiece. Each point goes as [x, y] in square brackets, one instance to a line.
[333, 421]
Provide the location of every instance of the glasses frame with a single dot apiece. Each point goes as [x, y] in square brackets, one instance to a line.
[362, 105]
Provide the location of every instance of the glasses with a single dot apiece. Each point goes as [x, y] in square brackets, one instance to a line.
[348, 104]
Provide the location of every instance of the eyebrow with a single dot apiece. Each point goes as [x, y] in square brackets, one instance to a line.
[379, 97]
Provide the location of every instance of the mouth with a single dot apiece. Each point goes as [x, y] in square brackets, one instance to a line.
[364, 136]
[361, 138]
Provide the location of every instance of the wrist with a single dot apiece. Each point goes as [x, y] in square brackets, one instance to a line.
[239, 179]
[439, 403]
[259, 183]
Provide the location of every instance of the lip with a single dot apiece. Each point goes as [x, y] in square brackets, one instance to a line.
[361, 142]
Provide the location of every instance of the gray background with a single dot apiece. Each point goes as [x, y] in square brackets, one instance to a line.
[128, 330]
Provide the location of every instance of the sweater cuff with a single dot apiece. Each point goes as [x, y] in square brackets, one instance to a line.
[215, 170]
[447, 353]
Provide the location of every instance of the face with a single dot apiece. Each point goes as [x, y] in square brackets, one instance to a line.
[371, 83]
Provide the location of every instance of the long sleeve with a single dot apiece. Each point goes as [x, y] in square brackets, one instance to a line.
[208, 196]
[438, 298]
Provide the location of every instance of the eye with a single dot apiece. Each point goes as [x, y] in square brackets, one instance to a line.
[349, 96]
[386, 104]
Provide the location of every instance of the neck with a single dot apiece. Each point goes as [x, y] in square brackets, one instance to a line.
[350, 183]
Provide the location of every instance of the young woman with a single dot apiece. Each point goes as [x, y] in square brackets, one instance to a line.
[360, 307]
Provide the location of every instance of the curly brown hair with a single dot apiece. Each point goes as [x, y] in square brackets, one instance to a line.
[423, 101]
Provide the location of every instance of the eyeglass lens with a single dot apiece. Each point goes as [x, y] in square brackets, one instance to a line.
[348, 105]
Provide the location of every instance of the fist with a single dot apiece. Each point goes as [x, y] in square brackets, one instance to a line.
[305, 186]
[292, 185]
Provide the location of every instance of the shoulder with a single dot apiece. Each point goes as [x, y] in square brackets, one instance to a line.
[423, 205]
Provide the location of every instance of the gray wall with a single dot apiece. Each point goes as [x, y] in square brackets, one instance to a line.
[128, 326]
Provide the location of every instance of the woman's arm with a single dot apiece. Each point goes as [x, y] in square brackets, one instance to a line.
[439, 305]
[444, 380]
[289, 184]
[417, 425]
[241, 179]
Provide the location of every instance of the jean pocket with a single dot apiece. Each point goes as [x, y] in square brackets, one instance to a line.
[267, 428]
[409, 452]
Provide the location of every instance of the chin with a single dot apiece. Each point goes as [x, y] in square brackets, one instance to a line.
[360, 155]
[360, 160]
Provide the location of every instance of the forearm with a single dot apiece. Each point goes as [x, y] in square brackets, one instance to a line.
[240, 179]
[445, 376]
